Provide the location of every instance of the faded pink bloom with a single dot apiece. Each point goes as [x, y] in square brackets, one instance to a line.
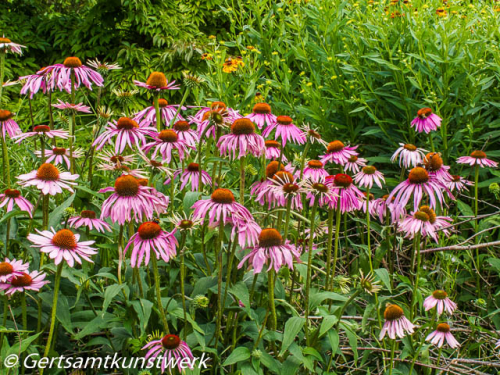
[11, 197]
[242, 140]
[165, 142]
[127, 132]
[273, 151]
[59, 155]
[314, 170]
[424, 222]
[368, 176]
[7, 125]
[88, 219]
[285, 130]
[261, 115]
[440, 300]
[186, 134]
[167, 112]
[74, 107]
[60, 75]
[6, 45]
[354, 164]
[396, 324]
[442, 334]
[12, 268]
[458, 183]
[409, 155]
[479, 158]
[42, 131]
[192, 175]
[347, 195]
[27, 281]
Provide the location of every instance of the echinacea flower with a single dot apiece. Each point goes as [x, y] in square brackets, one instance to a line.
[369, 175]
[11, 197]
[347, 194]
[354, 164]
[102, 66]
[261, 115]
[122, 169]
[42, 131]
[172, 350]
[11, 268]
[409, 155]
[72, 107]
[273, 151]
[281, 190]
[59, 155]
[130, 200]
[185, 133]
[127, 132]
[167, 112]
[88, 219]
[156, 165]
[338, 153]
[49, 180]
[165, 142]
[321, 192]
[458, 183]
[61, 74]
[192, 175]
[116, 158]
[396, 324]
[27, 281]
[314, 170]
[368, 282]
[439, 299]
[382, 207]
[63, 245]
[271, 251]
[424, 222]
[218, 115]
[7, 125]
[34, 82]
[151, 237]
[285, 130]
[157, 82]
[246, 231]
[441, 334]
[435, 166]
[312, 135]
[183, 222]
[6, 45]
[479, 158]
[242, 140]
[260, 188]
[426, 121]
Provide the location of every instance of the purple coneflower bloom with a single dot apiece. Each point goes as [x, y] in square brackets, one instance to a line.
[312, 135]
[184, 223]
[74, 107]
[63, 245]
[434, 165]
[314, 170]
[261, 190]
[372, 206]
[6, 45]
[477, 157]
[218, 115]
[426, 121]
[27, 281]
[11, 268]
[59, 155]
[167, 112]
[261, 115]
[382, 205]
[42, 130]
[281, 190]
[409, 155]
[272, 251]
[441, 334]
[113, 158]
[396, 324]
[286, 130]
[338, 153]
[424, 222]
[157, 82]
[186, 134]
[192, 175]
[322, 192]
[440, 300]
[348, 196]
[60, 75]
[156, 165]
[368, 176]
[247, 231]
[242, 139]
[122, 169]
[102, 66]
[273, 151]
[88, 219]
[172, 350]
[458, 183]
[11, 197]
[34, 82]
[49, 180]
[165, 142]
[7, 125]
[127, 132]
[354, 164]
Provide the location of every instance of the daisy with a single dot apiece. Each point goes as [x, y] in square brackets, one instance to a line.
[59, 155]
[74, 107]
[242, 139]
[186, 134]
[350, 196]
[11, 268]
[426, 121]
[477, 157]
[321, 192]
[49, 180]
[396, 324]
[441, 334]
[368, 176]
[129, 197]
[7, 125]
[165, 142]
[192, 175]
[60, 75]
[261, 115]
[11, 197]
[314, 170]
[167, 112]
[88, 219]
[171, 349]
[409, 155]
[6, 45]
[273, 151]
[34, 82]
[27, 281]
[434, 165]
[286, 130]
[419, 183]
[354, 164]
[42, 131]
[338, 153]
[440, 300]
[149, 237]
[271, 251]
[127, 132]
[63, 245]
[458, 183]
[424, 222]
[157, 82]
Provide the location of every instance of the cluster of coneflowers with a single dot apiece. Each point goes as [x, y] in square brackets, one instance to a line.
[179, 153]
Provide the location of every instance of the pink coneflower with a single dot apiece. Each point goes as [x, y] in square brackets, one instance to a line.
[6, 45]
[368, 176]
[192, 175]
[348, 196]
[27, 281]
[102, 66]
[242, 139]
[157, 82]
[129, 197]
[7, 125]
[382, 205]
[354, 164]
[114, 158]
[260, 189]
[34, 82]
[156, 165]
[271, 251]
[49, 180]
[314, 170]
[59, 155]
[458, 183]
[165, 142]
[312, 135]
[220, 206]
[273, 151]
[60, 75]
[63, 245]
[88, 219]
[286, 130]
[186, 134]
[218, 115]
[440, 300]
[261, 115]
[167, 112]
[424, 222]
[11, 268]
[127, 132]
[11, 197]
[409, 155]
[247, 232]
[372, 206]
[338, 153]
[419, 183]
[426, 121]
[73, 107]
[396, 324]
[282, 189]
[441, 334]
[322, 192]
[122, 169]
[149, 237]
[434, 165]
[172, 350]
[477, 157]
[183, 222]
[42, 131]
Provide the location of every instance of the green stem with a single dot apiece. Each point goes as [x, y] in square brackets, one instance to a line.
[163, 316]
[218, 254]
[72, 124]
[393, 347]
[303, 161]
[336, 244]
[351, 298]
[6, 161]
[287, 216]
[272, 307]
[431, 142]
[156, 101]
[183, 276]
[242, 180]
[180, 106]
[368, 239]
[309, 267]
[417, 275]
[476, 226]
[24, 313]
[2, 72]
[329, 248]
[120, 254]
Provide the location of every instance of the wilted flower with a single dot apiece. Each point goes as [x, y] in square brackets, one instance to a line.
[368, 283]
[440, 300]
[441, 334]
[6, 45]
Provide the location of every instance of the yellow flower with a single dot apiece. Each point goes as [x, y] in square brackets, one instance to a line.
[334, 77]
[211, 37]
[275, 53]
[268, 82]
[309, 84]
[329, 58]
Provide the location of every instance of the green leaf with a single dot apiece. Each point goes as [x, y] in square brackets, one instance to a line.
[317, 298]
[56, 215]
[327, 323]
[21, 346]
[109, 294]
[189, 199]
[383, 274]
[239, 354]
[292, 328]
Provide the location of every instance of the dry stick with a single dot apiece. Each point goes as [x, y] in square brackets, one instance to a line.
[461, 248]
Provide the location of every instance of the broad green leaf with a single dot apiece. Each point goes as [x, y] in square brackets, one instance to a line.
[239, 354]
[292, 328]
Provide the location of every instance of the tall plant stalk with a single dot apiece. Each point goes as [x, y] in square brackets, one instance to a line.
[309, 268]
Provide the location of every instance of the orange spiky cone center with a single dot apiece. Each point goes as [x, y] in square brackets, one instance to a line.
[315, 164]
[47, 172]
[343, 180]
[126, 186]
[242, 126]
[193, 167]
[335, 146]
[272, 168]
[272, 144]
[270, 237]
[72, 62]
[6, 269]
[410, 147]
[21, 281]
[478, 154]
[262, 108]
[223, 196]
[149, 230]
[423, 113]
[168, 135]
[181, 126]
[5, 115]
[157, 79]
[393, 312]
[125, 123]
[88, 214]
[284, 120]
[65, 239]
[439, 294]
[443, 327]
[418, 175]
[433, 162]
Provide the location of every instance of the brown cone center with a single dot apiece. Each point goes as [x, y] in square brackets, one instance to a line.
[410, 147]
[478, 154]
[125, 123]
[433, 162]
[272, 168]
[335, 146]
[224, 196]
[393, 312]
[157, 79]
[88, 214]
[369, 169]
[424, 113]
[315, 164]
[193, 167]
[171, 342]
[47, 172]
[242, 126]
[126, 186]
[439, 294]
[284, 120]
[149, 230]
[418, 175]
[12, 193]
[443, 327]
[72, 62]
[262, 108]
[272, 144]
[6, 269]
[65, 239]
[169, 136]
[343, 180]
[181, 126]
[270, 237]
[5, 115]
[21, 281]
